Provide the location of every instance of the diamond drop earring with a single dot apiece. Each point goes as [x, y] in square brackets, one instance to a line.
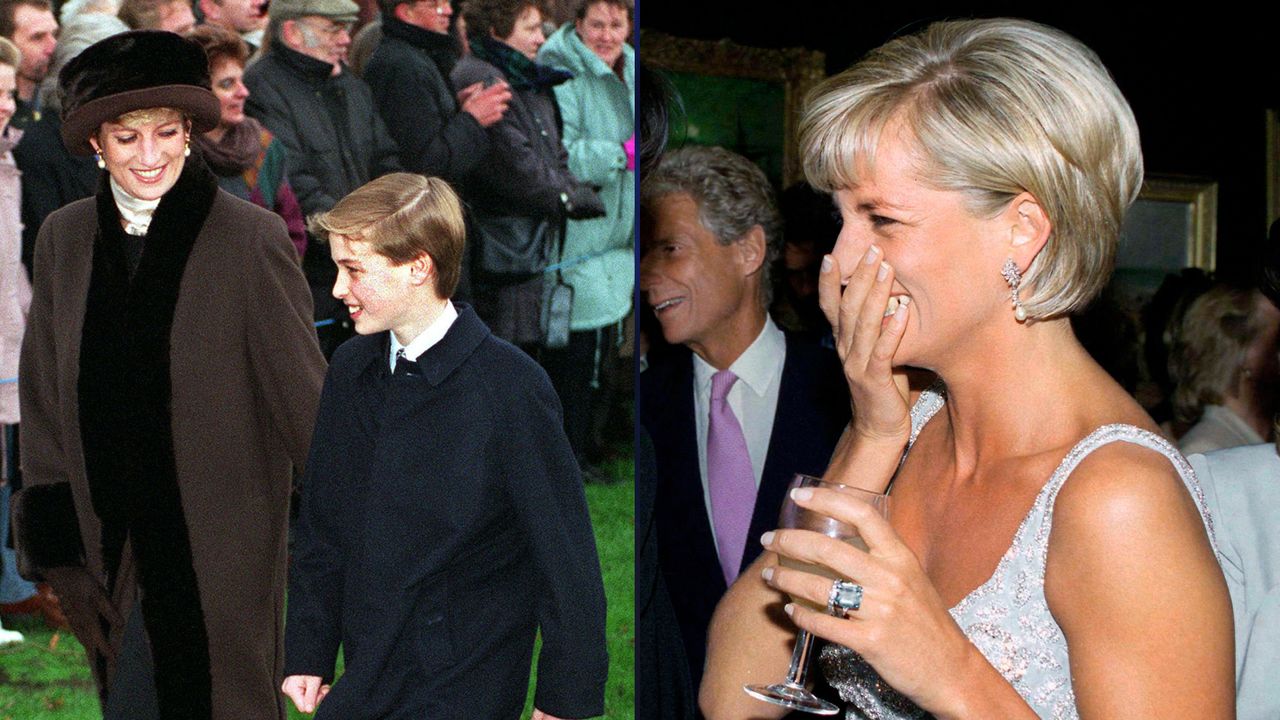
[1014, 278]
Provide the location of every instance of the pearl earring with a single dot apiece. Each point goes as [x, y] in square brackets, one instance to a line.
[102, 164]
[186, 151]
[1014, 278]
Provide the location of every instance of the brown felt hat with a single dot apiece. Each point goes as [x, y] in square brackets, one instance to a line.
[134, 71]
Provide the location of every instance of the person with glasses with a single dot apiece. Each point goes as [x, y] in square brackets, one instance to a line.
[334, 140]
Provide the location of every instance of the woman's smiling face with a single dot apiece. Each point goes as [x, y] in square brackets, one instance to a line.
[944, 258]
[144, 150]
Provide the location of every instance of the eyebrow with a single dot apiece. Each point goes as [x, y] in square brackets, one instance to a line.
[878, 204]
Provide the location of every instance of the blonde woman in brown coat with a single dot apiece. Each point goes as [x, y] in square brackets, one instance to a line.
[170, 376]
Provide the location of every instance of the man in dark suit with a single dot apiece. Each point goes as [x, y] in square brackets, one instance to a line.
[736, 407]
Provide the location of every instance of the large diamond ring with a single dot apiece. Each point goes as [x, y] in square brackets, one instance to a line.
[844, 596]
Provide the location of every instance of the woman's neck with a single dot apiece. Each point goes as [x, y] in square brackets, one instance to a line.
[1032, 389]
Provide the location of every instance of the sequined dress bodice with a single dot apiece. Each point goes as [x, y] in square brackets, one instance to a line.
[1007, 617]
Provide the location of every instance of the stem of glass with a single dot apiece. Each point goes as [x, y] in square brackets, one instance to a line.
[798, 674]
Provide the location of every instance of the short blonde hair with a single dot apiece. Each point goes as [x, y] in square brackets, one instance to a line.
[996, 108]
[1210, 347]
[9, 53]
[402, 216]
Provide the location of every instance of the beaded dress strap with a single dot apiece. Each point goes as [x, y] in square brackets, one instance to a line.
[925, 407]
[1108, 434]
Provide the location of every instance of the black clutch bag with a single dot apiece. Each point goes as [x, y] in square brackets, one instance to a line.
[46, 532]
[516, 244]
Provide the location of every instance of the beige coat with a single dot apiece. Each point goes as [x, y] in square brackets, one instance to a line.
[15, 289]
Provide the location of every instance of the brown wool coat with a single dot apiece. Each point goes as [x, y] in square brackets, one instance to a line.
[245, 373]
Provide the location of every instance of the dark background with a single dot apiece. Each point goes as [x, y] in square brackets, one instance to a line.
[1199, 83]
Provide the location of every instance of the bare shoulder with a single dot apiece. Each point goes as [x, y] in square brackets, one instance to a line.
[1118, 485]
[1125, 525]
[1132, 580]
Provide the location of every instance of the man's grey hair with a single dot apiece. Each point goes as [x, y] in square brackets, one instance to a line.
[733, 196]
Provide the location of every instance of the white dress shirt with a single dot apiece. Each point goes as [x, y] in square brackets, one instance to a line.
[432, 335]
[753, 399]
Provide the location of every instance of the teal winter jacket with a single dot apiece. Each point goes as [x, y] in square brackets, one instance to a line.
[598, 110]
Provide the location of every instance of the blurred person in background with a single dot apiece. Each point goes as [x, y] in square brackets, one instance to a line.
[598, 111]
[51, 175]
[15, 300]
[30, 25]
[1243, 494]
[246, 18]
[440, 133]
[809, 231]
[1226, 369]
[334, 139]
[248, 160]
[522, 192]
[173, 16]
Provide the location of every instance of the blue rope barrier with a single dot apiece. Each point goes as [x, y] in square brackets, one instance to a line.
[577, 261]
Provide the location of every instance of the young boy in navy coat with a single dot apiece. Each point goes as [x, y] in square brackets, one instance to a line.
[443, 519]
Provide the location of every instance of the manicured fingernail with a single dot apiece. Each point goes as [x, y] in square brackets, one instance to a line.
[767, 574]
[826, 263]
[789, 609]
[801, 493]
[883, 272]
[766, 538]
[872, 253]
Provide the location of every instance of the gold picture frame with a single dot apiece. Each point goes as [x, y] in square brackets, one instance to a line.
[795, 70]
[1172, 225]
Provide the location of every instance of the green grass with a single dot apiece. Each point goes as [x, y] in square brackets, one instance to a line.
[44, 679]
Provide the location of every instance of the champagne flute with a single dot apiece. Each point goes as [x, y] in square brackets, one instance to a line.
[792, 693]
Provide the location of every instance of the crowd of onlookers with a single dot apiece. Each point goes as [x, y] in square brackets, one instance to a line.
[525, 108]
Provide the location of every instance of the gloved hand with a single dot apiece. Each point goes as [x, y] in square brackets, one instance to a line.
[582, 203]
[629, 147]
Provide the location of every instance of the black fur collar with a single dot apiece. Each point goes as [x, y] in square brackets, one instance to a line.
[126, 427]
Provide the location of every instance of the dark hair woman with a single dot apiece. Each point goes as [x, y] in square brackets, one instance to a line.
[246, 157]
[170, 376]
[523, 191]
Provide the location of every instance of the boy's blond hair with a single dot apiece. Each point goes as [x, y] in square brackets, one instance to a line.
[401, 216]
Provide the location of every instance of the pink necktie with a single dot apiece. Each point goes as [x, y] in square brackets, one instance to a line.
[729, 477]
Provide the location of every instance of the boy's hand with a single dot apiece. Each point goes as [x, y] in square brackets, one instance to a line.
[539, 715]
[306, 691]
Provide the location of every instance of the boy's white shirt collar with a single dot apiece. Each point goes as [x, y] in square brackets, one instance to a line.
[433, 334]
